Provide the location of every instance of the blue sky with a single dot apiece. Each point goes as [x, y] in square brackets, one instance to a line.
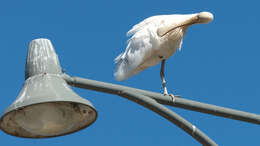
[218, 64]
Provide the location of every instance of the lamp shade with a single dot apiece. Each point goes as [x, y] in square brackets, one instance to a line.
[46, 106]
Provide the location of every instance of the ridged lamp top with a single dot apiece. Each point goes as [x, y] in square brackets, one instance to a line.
[41, 58]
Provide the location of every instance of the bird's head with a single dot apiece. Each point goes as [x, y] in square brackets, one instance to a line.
[199, 18]
[204, 17]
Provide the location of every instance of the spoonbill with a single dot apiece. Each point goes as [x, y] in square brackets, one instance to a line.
[154, 40]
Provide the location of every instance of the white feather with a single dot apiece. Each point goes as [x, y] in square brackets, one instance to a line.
[145, 48]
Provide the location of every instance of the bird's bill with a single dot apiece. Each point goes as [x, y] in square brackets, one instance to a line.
[166, 29]
[202, 17]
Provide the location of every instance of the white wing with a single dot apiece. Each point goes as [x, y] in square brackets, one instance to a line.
[145, 23]
[139, 47]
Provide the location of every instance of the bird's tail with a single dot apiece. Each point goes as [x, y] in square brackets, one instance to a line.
[118, 58]
[121, 70]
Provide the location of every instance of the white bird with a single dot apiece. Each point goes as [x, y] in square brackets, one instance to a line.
[154, 40]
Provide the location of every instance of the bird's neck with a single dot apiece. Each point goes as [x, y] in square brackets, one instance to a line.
[177, 34]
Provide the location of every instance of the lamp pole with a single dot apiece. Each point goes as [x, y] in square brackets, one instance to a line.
[165, 99]
[46, 99]
[138, 96]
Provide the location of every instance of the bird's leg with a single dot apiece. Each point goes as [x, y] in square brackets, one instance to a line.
[165, 92]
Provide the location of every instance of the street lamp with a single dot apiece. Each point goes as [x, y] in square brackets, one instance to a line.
[46, 106]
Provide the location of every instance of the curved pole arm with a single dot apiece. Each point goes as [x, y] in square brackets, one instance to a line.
[146, 101]
[169, 115]
[164, 99]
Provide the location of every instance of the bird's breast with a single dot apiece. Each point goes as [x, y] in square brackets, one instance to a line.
[162, 49]
[168, 48]
[170, 43]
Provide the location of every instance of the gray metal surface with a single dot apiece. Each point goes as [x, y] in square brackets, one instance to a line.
[46, 106]
[41, 58]
[139, 97]
[160, 98]
[45, 88]
[173, 117]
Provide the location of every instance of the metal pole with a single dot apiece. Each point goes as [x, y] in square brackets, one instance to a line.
[146, 101]
[169, 115]
[177, 102]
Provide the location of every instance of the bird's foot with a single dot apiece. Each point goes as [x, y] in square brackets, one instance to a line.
[172, 96]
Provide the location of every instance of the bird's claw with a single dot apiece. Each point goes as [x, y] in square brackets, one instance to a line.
[172, 96]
